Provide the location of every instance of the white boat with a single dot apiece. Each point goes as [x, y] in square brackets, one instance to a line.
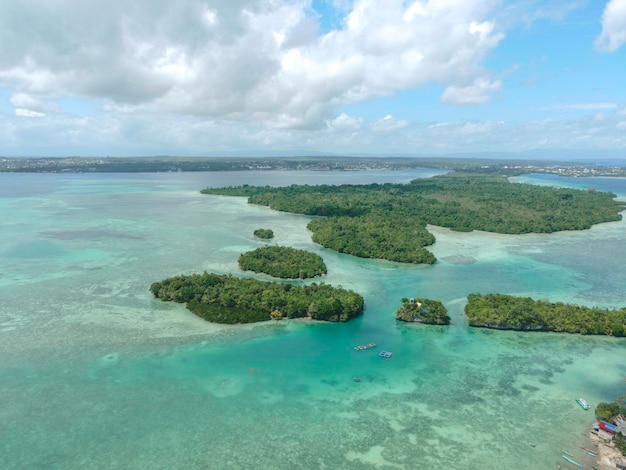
[582, 402]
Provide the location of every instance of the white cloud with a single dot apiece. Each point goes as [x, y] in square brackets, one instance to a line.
[389, 123]
[343, 121]
[143, 133]
[249, 60]
[613, 34]
[477, 93]
[27, 113]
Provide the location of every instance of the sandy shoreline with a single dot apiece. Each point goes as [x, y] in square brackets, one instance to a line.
[608, 456]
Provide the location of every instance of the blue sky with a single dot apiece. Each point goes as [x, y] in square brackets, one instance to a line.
[346, 77]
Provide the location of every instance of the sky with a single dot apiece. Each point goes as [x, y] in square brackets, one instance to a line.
[313, 77]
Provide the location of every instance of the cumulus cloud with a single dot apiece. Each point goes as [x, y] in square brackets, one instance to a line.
[343, 121]
[389, 123]
[245, 60]
[613, 34]
[27, 113]
[476, 93]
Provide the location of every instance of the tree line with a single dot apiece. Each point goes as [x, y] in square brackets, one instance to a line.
[228, 299]
[388, 221]
[502, 311]
[283, 262]
[423, 310]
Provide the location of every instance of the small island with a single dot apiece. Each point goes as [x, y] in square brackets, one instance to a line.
[228, 299]
[264, 233]
[420, 310]
[283, 262]
[507, 312]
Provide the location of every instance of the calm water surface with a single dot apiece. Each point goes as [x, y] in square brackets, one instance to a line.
[95, 373]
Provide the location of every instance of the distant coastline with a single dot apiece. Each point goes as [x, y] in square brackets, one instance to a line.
[509, 167]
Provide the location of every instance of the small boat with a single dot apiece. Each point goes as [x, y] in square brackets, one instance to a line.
[589, 452]
[365, 346]
[385, 354]
[567, 453]
[583, 403]
[572, 461]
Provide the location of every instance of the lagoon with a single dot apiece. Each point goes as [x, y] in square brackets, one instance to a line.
[95, 373]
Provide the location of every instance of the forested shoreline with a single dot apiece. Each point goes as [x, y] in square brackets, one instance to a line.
[388, 221]
[229, 299]
[421, 310]
[283, 262]
[507, 312]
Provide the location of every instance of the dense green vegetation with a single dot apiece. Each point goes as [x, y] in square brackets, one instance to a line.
[375, 236]
[423, 311]
[607, 411]
[283, 262]
[523, 313]
[388, 221]
[229, 299]
[264, 233]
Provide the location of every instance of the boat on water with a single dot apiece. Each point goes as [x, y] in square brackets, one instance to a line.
[583, 403]
[572, 461]
[385, 354]
[365, 346]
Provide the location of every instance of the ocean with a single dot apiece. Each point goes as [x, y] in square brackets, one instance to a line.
[95, 373]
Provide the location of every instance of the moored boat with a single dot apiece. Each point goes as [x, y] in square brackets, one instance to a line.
[572, 461]
[589, 452]
[583, 403]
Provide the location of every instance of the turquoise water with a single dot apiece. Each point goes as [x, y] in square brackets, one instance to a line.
[97, 374]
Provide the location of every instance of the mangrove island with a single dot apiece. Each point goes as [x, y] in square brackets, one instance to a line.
[283, 262]
[228, 299]
[420, 310]
[388, 221]
[507, 312]
[264, 233]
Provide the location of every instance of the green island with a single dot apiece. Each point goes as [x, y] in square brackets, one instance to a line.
[388, 221]
[507, 312]
[228, 299]
[264, 233]
[420, 310]
[283, 262]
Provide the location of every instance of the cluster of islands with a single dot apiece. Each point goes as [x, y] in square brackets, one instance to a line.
[389, 222]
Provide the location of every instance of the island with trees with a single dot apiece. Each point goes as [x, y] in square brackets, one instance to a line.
[507, 312]
[264, 233]
[421, 310]
[283, 262]
[229, 299]
[388, 221]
